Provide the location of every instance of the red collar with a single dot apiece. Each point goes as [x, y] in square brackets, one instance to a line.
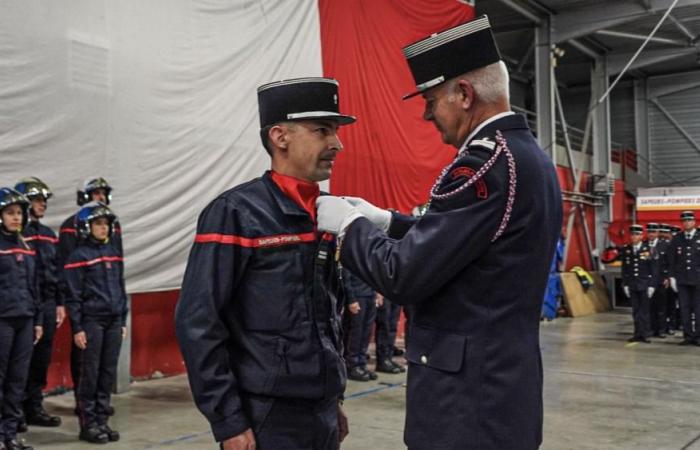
[304, 193]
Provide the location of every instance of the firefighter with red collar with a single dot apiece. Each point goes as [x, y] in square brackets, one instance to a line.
[97, 308]
[43, 241]
[20, 314]
[258, 320]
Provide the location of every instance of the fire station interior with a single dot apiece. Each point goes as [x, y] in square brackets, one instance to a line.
[610, 88]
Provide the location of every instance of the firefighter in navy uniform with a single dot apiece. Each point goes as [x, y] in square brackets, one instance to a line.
[638, 281]
[97, 308]
[94, 189]
[475, 370]
[43, 241]
[684, 268]
[20, 314]
[258, 319]
[657, 305]
[360, 312]
[673, 312]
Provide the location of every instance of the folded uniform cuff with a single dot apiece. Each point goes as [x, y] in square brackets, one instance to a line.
[229, 427]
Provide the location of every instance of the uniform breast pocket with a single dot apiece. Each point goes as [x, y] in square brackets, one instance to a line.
[7, 269]
[437, 349]
[271, 296]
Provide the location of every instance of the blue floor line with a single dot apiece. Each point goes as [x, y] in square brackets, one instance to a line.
[360, 394]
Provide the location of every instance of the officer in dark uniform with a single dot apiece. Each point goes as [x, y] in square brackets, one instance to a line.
[20, 314]
[475, 370]
[638, 281]
[97, 308]
[657, 304]
[258, 320]
[673, 312]
[94, 189]
[43, 241]
[684, 269]
[360, 311]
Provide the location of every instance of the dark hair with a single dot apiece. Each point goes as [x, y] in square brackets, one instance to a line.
[265, 138]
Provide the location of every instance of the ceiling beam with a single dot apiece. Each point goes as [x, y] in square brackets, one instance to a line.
[682, 28]
[617, 61]
[642, 37]
[523, 10]
[582, 21]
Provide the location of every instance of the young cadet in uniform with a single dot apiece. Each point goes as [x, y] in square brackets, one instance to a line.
[258, 318]
[43, 241]
[638, 281]
[20, 314]
[657, 303]
[97, 308]
[475, 373]
[684, 268]
[95, 189]
[360, 311]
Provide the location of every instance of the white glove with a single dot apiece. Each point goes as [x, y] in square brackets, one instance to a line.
[626, 289]
[650, 292]
[674, 286]
[334, 214]
[378, 216]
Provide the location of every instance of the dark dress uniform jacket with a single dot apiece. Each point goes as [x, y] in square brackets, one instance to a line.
[19, 288]
[259, 311]
[94, 275]
[43, 240]
[638, 269]
[684, 258]
[475, 373]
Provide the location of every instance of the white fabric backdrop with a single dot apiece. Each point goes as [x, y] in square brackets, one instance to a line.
[156, 96]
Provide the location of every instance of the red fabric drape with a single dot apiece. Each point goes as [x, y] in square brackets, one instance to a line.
[391, 155]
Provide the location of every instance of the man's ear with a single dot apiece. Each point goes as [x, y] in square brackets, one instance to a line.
[466, 90]
[279, 136]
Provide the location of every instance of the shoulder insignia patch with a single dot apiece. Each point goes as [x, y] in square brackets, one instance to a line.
[482, 191]
[483, 143]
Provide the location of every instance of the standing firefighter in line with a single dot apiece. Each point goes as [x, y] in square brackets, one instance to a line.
[638, 282]
[258, 318]
[475, 266]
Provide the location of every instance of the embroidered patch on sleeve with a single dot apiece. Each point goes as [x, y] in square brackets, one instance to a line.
[482, 191]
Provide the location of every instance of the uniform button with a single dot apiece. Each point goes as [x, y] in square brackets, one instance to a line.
[424, 359]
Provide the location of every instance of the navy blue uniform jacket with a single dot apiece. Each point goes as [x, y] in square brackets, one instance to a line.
[43, 240]
[684, 258]
[259, 310]
[638, 269]
[19, 287]
[94, 276]
[475, 372]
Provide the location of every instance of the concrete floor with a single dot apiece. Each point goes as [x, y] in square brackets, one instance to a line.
[600, 393]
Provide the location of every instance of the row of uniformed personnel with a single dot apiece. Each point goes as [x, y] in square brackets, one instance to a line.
[658, 270]
[44, 279]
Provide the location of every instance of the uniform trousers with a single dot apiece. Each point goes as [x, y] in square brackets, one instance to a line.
[98, 368]
[41, 359]
[689, 297]
[358, 328]
[658, 309]
[640, 313]
[387, 323]
[16, 339]
[292, 424]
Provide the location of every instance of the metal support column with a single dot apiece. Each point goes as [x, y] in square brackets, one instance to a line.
[544, 88]
[641, 126]
[601, 145]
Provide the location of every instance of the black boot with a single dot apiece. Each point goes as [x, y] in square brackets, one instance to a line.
[41, 418]
[402, 369]
[357, 374]
[110, 410]
[17, 444]
[386, 365]
[372, 375]
[113, 435]
[94, 435]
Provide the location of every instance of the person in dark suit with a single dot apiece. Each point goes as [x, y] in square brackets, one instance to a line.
[360, 312]
[475, 369]
[684, 268]
[638, 281]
